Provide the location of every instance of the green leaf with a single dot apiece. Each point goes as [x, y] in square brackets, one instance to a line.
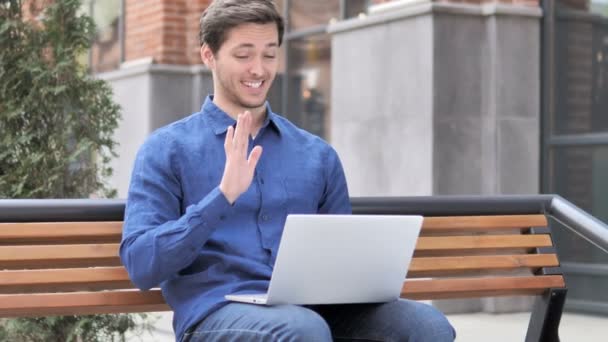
[54, 118]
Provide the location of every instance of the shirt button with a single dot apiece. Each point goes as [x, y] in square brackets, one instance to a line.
[262, 181]
[265, 217]
[222, 217]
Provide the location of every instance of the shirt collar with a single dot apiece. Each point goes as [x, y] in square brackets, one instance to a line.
[219, 120]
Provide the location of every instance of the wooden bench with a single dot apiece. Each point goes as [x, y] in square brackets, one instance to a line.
[70, 264]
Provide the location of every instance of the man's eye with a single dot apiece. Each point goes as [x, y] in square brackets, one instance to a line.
[270, 56]
[241, 57]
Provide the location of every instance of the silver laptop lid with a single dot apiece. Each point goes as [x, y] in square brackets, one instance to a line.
[331, 259]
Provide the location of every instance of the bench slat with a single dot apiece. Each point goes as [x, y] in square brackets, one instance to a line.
[60, 280]
[81, 303]
[97, 232]
[482, 223]
[437, 266]
[117, 277]
[19, 257]
[481, 242]
[78, 303]
[479, 287]
[60, 232]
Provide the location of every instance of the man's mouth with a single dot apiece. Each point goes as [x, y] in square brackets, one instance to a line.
[254, 85]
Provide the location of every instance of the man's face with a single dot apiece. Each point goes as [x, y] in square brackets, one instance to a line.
[245, 65]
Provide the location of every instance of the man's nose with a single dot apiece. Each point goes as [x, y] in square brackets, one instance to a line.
[256, 68]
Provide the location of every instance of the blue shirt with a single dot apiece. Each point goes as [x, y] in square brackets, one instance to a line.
[181, 233]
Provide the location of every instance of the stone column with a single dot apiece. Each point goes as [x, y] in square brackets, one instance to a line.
[436, 98]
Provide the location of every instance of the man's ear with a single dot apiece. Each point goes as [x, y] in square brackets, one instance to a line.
[207, 56]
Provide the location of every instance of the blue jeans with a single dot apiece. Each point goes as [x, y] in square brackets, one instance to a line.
[401, 320]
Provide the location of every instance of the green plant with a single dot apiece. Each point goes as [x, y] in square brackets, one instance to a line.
[72, 328]
[56, 126]
[56, 121]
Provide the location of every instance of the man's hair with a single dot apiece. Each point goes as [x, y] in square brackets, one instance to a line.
[223, 15]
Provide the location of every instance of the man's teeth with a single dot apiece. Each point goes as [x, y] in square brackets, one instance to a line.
[253, 84]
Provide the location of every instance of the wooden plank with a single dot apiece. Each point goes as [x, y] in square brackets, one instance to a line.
[61, 280]
[58, 256]
[81, 303]
[471, 252]
[479, 287]
[60, 232]
[437, 266]
[481, 242]
[482, 223]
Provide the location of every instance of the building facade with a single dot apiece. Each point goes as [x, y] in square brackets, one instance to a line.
[419, 97]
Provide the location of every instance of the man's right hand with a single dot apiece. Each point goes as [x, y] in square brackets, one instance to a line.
[239, 170]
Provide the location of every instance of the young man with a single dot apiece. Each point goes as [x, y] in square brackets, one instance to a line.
[210, 193]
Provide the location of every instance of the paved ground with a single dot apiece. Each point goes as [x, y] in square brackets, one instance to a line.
[470, 328]
[512, 327]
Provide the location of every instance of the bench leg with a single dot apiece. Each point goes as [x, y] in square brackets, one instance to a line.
[546, 314]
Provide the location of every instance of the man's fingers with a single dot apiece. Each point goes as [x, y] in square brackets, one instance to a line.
[246, 129]
[254, 157]
[229, 139]
[249, 123]
[241, 135]
[237, 132]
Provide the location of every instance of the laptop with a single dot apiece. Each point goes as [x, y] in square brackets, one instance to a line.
[340, 259]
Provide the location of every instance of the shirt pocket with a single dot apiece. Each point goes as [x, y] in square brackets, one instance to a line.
[303, 195]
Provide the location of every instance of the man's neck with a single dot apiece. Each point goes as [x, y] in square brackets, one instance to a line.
[258, 114]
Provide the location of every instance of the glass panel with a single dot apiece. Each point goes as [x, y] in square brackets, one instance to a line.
[355, 7]
[581, 286]
[582, 68]
[105, 52]
[579, 175]
[599, 7]
[309, 83]
[305, 14]
[578, 172]
[595, 6]
[573, 4]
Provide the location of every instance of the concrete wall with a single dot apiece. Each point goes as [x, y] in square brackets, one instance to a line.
[460, 47]
[382, 98]
[487, 109]
[436, 99]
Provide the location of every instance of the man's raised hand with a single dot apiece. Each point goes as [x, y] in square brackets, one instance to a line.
[239, 169]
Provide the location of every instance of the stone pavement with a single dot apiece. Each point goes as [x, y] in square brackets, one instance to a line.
[512, 327]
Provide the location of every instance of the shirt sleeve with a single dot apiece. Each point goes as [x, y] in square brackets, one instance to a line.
[157, 239]
[335, 198]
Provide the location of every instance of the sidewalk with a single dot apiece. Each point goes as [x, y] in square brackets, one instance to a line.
[512, 327]
[469, 327]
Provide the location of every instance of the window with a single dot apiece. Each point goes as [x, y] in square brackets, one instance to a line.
[106, 52]
[575, 135]
[305, 80]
